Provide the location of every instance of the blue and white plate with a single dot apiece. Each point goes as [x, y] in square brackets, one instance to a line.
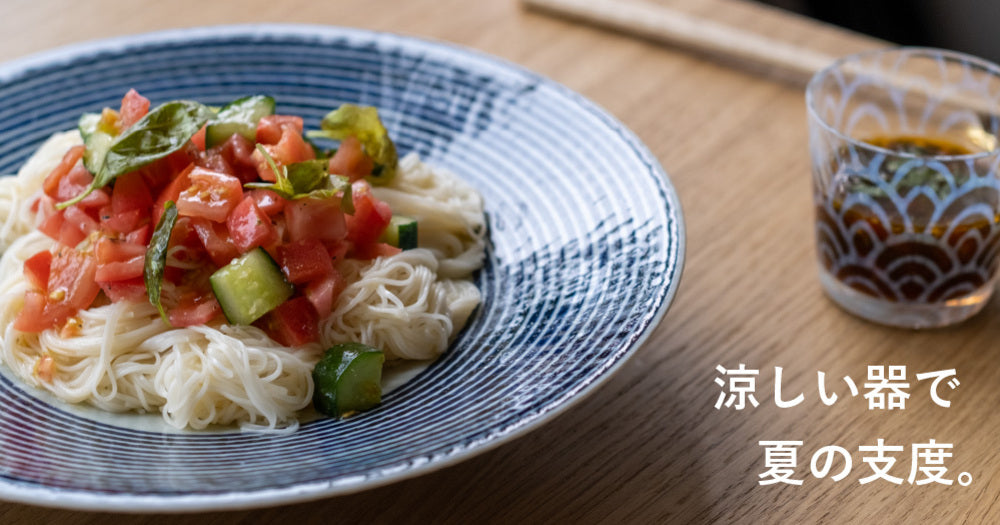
[587, 244]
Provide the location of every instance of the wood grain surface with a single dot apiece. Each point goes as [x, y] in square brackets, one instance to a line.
[649, 446]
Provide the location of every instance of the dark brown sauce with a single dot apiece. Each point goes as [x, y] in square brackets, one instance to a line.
[929, 255]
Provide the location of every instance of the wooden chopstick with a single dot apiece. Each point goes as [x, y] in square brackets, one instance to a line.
[749, 50]
[662, 24]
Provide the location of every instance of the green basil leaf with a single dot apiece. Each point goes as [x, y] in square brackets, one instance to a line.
[308, 175]
[156, 257]
[161, 132]
[304, 179]
[333, 185]
[363, 122]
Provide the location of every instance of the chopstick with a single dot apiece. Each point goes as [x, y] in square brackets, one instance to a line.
[746, 49]
[666, 25]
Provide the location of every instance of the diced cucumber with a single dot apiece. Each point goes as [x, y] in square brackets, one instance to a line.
[401, 232]
[218, 132]
[250, 286]
[88, 124]
[348, 379]
[97, 145]
[239, 116]
[248, 109]
[96, 140]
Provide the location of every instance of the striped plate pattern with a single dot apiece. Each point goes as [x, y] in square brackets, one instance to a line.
[586, 248]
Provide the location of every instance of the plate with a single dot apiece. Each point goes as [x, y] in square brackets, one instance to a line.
[586, 248]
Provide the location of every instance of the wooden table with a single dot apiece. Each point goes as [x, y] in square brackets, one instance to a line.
[649, 446]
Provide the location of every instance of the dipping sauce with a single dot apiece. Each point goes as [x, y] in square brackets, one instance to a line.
[915, 227]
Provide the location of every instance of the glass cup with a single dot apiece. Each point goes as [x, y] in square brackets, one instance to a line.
[907, 201]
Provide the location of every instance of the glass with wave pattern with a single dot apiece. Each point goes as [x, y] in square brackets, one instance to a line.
[907, 201]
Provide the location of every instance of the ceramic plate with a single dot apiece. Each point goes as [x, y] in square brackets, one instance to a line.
[586, 248]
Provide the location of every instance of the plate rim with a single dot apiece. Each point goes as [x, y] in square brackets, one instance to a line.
[76, 499]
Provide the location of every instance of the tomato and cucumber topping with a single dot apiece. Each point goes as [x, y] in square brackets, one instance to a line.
[228, 215]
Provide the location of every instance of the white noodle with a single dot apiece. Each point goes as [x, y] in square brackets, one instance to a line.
[449, 214]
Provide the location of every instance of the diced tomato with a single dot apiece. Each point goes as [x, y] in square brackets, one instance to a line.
[371, 251]
[371, 217]
[76, 217]
[293, 323]
[140, 235]
[234, 156]
[305, 260]
[213, 160]
[134, 107]
[315, 219]
[215, 238]
[350, 160]
[111, 249]
[133, 290]
[51, 184]
[130, 193]
[268, 201]
[160, 174]
[238, 152]
[337, 249]
[194, 310]
[118, 260]
[32, 317]
[72, 279]
[70, 234]
[290, 148]
[130, 205]
[324, 291]
[271, 127]
[249, 227]
[211, 195]
[198, 139]
[36, 269]
[69, 226]
[75, 182]
[171, 192]
[264, 171]
[52, 225]
[281, 231]
[43, 205]
[121, 222]
[94, 208]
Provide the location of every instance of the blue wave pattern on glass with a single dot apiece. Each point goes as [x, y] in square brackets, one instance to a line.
[916, 226]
